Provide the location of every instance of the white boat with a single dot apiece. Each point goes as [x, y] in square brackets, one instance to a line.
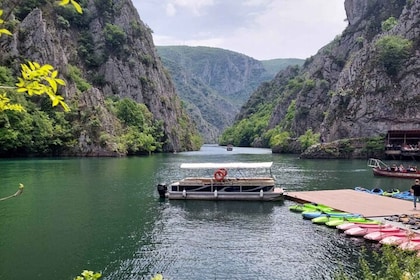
[225, 181]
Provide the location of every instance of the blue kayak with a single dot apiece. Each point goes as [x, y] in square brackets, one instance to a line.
[309, 215]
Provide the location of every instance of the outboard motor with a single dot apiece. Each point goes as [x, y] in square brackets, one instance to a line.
[162, 189]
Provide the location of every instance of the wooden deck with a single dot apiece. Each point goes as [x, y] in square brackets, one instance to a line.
[352, 201]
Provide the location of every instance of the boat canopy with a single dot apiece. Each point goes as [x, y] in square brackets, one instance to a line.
[237, 165]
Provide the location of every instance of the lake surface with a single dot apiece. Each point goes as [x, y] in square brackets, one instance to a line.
[104, 214]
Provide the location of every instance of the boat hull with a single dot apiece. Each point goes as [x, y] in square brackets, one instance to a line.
[274, 195]
[395, 174]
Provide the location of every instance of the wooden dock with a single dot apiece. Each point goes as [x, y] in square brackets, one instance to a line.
[352, 201]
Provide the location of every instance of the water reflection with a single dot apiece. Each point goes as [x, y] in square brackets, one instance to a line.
[105, 215]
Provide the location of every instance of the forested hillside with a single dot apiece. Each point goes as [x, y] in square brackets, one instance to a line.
[362, 84]
[121, 98]
[214, 83]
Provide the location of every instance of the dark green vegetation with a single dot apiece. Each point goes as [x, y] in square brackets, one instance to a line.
[394, 264]
[43, 131]
[122, 101]
[392, 52]
[214, 83]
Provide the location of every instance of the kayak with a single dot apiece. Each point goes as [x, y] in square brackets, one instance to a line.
[379, 235]
[396, 240]
[371, 224]
[391, 192]
[360, 220]
[360, 231]
[410, 245]
[309, 207]
[309, 215]
[334, 220]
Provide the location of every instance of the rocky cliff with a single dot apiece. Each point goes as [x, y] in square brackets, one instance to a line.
[215, 83]
[114, 53]
[363, 83]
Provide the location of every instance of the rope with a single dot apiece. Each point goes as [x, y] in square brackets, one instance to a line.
[19, 192]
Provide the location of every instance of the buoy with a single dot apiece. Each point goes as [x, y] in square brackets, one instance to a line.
[261, 193]
[184, 193]
[220, 174]
[215, 193]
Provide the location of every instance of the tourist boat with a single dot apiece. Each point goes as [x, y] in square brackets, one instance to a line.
[224, 181]
[229, 147]
[379, 168]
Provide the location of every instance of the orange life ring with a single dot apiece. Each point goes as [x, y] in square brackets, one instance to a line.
[220, 174]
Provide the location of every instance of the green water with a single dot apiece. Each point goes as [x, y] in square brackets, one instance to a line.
[105, 215]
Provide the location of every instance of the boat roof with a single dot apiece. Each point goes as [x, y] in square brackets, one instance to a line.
[213, 165]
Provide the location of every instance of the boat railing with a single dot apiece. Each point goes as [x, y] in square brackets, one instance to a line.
[377, 163]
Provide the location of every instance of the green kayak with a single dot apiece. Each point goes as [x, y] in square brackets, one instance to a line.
[360, 220]
[309, 207]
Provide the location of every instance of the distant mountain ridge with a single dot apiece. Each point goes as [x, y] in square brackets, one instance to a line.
[214, 83]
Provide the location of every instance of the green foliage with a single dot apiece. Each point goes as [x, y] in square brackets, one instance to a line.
[34, 132]
[62, 22]
[73, 17]
[279, 139]
[115, 37]
[6, 77]
[286, 123]
[375, 145]
[389, 24]
[394, 264]
[392, 51]
[143, 134]
[246, 131]
[88, 275]
[86, 50]
[75, 74]
[308, 139]
[25, 7]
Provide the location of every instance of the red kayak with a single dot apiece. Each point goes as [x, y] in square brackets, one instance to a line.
[360, 231]
[411, 245]
[395, 240]
[347, 226]
[379, 235]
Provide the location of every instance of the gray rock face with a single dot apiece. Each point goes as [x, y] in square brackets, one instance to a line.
[345, 90]
[122, 62]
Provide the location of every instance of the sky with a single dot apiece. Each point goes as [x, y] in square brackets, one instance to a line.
[261, 29]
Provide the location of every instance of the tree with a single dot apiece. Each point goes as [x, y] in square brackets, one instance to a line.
[35, 79]
[392, 51]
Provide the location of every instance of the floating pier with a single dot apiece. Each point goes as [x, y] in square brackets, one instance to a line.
[352, 201]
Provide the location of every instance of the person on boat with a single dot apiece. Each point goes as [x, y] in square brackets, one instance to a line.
[415, 190]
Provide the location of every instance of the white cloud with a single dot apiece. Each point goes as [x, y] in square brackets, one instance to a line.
[194, 6]
[262, 29]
